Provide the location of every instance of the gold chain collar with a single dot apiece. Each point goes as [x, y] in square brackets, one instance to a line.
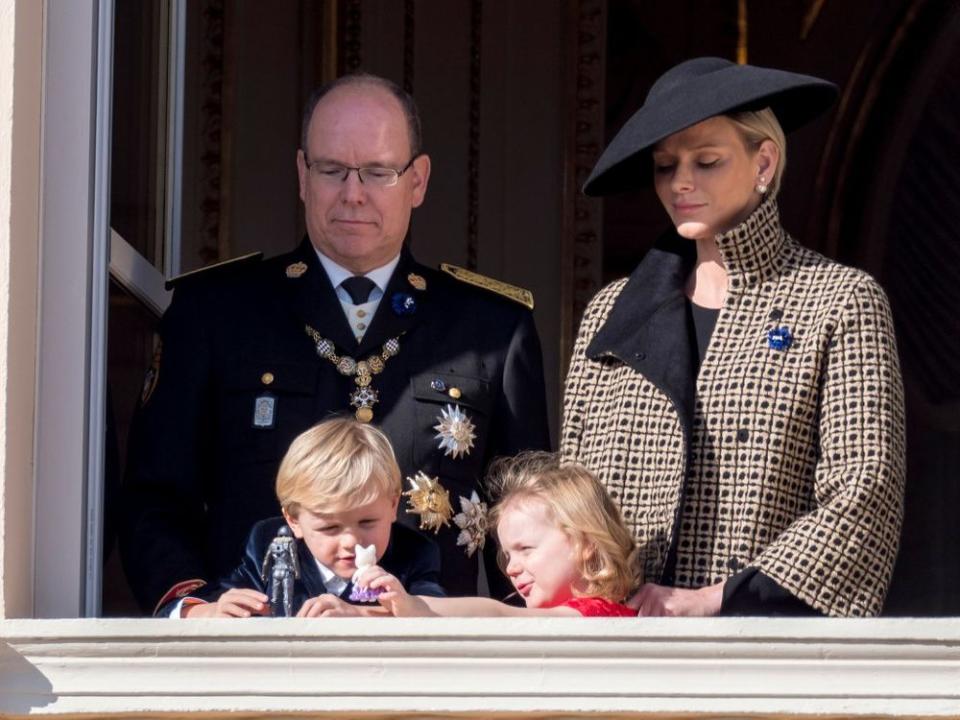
[362, 371]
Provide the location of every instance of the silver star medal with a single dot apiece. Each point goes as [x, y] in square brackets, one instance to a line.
[472, 523]
[455, 431]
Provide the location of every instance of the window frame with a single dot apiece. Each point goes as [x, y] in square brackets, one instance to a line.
[71, 363]
[905, 666]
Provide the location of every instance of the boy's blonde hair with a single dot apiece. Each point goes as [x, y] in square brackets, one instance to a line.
[337, 465]
[754, 127]
[581, 507]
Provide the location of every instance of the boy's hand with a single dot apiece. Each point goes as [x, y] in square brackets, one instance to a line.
[327, 605]
[234, 603]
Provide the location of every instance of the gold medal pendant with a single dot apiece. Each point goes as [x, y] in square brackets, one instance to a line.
[430, 500]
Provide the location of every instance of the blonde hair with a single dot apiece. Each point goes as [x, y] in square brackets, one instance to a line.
[755, 127]
[337, 465]
[581, 507]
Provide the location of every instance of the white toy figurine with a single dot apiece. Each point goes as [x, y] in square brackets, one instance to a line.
[363, 557]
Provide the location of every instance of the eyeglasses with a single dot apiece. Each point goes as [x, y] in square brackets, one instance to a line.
[332, 173]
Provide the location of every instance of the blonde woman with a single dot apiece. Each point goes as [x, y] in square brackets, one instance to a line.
[738, 395]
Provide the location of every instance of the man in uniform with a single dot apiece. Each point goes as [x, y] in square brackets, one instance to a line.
[448, 364]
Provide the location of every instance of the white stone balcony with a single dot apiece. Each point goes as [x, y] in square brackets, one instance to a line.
[482, 666]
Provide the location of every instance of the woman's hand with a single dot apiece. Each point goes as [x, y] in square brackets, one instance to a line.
[234, 603]
[653, 600]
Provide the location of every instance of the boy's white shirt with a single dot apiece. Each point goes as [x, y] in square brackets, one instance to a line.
[334, 584]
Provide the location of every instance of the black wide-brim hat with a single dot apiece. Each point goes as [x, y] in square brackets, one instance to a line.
[694, 91]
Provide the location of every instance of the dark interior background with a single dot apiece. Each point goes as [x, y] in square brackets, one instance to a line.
[518, 99]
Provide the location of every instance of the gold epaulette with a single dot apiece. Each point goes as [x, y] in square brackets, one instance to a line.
[230, 264]
[517, 294]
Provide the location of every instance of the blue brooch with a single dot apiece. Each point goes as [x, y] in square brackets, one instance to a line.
[780, 338]
[403, 304]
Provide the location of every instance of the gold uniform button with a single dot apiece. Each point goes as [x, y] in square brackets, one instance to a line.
[267, 378]
[361, 313]
[361, 326]
[455, 393]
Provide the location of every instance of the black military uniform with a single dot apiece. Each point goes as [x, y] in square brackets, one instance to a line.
[239, 377]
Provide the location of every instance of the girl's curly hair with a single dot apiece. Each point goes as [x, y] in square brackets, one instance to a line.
[581, 507]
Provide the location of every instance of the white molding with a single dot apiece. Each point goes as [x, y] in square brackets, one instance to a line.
[798, 667]
[69, 263]
[99, 293]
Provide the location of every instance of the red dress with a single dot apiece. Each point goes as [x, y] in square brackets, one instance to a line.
[599, 607]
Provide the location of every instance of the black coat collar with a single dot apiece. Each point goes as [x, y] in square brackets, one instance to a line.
[648, 326]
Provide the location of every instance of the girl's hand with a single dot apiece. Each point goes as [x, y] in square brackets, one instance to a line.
[653, 600]
[234, 603]
[395, 598]
[369, 575]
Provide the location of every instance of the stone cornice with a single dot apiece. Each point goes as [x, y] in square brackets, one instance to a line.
[485, 665]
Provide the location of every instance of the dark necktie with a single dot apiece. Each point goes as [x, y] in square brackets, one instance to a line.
[358, 288]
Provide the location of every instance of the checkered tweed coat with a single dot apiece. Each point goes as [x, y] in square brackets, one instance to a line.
[789, 460]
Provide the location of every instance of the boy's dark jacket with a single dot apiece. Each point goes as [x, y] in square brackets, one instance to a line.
[412, 558]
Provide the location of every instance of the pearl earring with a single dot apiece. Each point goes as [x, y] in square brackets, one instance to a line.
[761, 186]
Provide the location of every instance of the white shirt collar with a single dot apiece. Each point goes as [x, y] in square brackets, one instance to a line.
[338, 273]
[334, 583]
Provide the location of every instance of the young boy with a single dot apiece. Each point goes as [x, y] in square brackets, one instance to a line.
[338, 487]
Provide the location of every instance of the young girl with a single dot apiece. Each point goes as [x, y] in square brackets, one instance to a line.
[562, 544]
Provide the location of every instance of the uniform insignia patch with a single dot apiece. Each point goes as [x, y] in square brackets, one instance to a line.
[455, 431]
[296, 269]
[472, 521]
[417, 282]
[517, 294]
[265, 411]
[430, 500]
[152, 376]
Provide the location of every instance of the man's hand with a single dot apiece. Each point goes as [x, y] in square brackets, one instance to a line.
[234, 603]
[653, 600]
